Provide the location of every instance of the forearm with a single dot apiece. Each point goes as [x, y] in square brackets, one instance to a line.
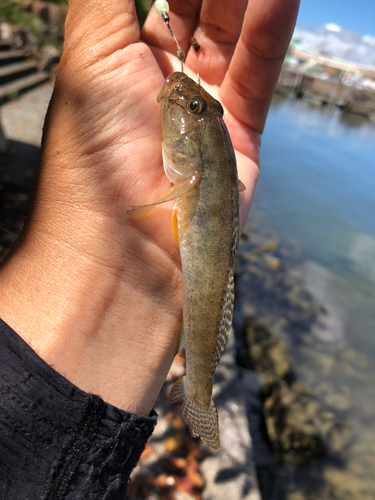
[55, 440]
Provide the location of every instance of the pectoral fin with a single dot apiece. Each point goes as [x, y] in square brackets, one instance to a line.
[241, 186]
[141, 211]
[179, 189]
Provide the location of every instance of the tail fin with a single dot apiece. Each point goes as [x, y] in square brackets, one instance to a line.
[202, 421]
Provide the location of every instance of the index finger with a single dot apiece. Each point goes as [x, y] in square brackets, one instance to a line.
[248, 86]
[184, 17]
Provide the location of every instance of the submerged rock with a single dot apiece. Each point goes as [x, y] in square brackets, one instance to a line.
[291, 412]
[268, 352]
[293, 425]
[272, 262]
[300, 426]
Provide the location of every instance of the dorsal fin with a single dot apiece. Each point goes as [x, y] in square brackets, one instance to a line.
[228, 300]
[225, 323]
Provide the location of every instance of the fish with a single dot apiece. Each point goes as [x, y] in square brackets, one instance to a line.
[199, 160]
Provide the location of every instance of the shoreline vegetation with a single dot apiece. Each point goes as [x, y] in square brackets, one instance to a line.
[41, 23]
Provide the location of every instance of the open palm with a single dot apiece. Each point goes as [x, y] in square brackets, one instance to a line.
[106, 310]
[117, 78]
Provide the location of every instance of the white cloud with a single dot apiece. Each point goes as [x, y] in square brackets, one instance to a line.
[333, 27]
[368, 39]
[339, 42]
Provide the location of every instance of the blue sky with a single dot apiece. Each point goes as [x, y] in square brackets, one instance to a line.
[357, 15]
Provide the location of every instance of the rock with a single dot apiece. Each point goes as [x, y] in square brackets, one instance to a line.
[267, 279]
[330, 327]
[358, 359]
[340, 402]
[271, 291]
[268, 246]
[268, 352]
[248, 309]
[296, 495]
[299, 427]
[318, 361]
[341, 485]
[272, 262]
[179, 495]
[339, 435]
[249, 256]
[292, 425]
[230, 472]
[292, 414]
[299, 297]
[279, 325]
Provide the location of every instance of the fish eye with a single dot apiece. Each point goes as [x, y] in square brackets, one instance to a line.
[197, 105]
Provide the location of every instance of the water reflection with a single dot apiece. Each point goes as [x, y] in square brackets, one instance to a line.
[351, 120]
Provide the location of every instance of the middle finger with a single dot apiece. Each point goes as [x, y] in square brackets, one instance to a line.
[217, 33]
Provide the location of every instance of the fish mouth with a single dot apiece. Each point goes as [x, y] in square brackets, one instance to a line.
[170, 82]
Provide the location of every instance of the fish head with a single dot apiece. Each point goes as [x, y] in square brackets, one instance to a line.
[185, 107]
[184, 104]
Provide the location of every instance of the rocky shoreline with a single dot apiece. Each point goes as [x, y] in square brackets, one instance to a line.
[288, 334]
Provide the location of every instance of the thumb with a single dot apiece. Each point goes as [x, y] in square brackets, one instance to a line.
[94, 30]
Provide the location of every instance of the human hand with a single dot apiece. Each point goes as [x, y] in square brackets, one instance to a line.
[96, 295]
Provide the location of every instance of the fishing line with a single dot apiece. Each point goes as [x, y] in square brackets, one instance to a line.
[16, 223]
[162, 8]
[6, 231]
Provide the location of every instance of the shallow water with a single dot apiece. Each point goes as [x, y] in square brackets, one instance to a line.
[317, 188]
[318, 184]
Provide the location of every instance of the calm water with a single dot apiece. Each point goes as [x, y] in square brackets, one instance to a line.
[318, 183]
[317, 187]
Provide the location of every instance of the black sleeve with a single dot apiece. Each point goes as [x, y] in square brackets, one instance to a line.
[56, 441]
